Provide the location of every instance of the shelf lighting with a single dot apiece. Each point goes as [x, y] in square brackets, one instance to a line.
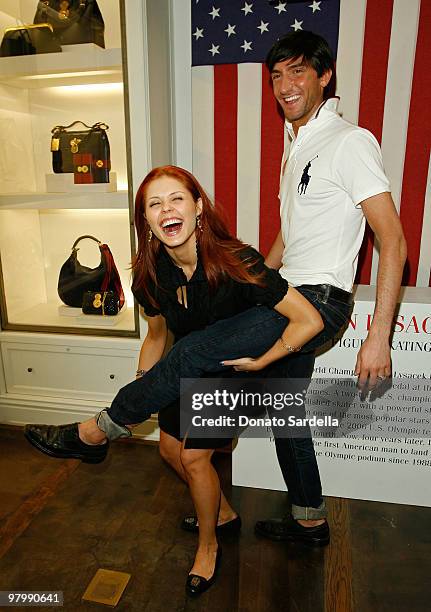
[91, 88]
[66, 75]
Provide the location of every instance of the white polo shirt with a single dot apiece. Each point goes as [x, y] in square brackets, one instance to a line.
[326, 172]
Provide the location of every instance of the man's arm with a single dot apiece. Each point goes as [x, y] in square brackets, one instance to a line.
[374, 357]
[273, 259]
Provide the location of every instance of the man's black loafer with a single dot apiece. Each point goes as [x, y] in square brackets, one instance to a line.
[190, 523]
[63, 441]
[289, 530]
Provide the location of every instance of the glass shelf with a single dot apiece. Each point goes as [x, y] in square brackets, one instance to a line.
[66, 201]
[77, 64]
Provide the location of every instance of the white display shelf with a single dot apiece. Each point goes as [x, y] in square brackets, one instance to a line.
[48, 315]
[65, 201]
[76, 65]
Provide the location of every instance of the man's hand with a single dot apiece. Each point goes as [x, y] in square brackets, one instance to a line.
[373, 362]
[244, 364]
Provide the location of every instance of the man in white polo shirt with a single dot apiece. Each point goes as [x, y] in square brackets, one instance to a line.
[332, 181]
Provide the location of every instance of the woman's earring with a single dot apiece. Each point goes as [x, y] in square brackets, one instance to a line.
[199, 223]
[150, 235]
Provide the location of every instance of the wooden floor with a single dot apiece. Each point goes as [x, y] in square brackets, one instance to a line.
[62, 520]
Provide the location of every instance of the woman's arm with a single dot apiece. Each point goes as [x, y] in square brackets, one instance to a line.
[154, 344]
[305, 322]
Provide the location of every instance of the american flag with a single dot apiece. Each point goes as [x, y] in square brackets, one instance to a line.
[383, 66]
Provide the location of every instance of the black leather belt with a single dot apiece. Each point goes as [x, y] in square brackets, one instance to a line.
[329, 291]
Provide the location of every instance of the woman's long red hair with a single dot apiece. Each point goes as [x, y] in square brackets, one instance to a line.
[219, 250]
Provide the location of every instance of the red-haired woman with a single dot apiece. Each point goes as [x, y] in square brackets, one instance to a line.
[189, 273]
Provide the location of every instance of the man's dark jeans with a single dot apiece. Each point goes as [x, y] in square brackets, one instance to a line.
[248, 334]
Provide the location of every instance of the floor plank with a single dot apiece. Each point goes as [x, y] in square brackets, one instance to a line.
[338, 559]
[66, 519]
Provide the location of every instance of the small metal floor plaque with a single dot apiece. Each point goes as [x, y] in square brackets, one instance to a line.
[106, 587]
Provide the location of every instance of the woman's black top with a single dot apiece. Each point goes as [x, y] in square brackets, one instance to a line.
[205, 306]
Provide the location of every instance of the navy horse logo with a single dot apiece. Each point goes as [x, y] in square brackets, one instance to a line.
[305, 178]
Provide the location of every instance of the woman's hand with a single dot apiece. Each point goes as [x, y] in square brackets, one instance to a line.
[245, 364]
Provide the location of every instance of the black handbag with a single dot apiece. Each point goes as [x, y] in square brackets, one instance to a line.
[75, 279]
[28, 40]
[105, 303]
[74, 21]
[93, 140]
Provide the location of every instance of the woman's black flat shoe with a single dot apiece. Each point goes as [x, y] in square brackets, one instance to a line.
[196, 585]
[190, 523]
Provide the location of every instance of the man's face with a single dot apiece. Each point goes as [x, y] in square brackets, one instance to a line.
[298, 89]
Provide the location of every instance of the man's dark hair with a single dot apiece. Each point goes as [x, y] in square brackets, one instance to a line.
[314, 50]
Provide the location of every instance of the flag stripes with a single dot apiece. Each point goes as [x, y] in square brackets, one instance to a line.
[272, 138]
[372, 99]
[249, 151]
[417, 149]
[225, 139]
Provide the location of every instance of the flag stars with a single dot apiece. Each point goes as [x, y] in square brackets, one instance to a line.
[199, 33]
[247, 8]
[297, 25]
[315, 6]
[263, 27]
[281, 7]
[246, 46]
[214, 13]
[230, 30]
[214, 49]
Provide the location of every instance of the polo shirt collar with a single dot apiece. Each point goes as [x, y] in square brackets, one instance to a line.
[326, 111]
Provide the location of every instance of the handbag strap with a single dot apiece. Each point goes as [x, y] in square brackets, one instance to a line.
[96, 126]
[111, 275]
[82, 238]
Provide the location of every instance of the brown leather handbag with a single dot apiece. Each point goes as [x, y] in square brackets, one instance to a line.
[91, 141]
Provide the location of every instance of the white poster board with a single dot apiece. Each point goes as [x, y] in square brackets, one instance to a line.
[391, 468]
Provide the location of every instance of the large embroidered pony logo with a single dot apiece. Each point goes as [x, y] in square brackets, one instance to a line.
[305, 178]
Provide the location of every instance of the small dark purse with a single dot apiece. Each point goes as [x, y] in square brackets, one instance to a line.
[92, 141]
[74, 21]
[105, 303]
[28, 40]
[75, 279]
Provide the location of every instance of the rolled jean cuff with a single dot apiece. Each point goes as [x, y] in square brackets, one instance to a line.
[110, 428]
[309, 513]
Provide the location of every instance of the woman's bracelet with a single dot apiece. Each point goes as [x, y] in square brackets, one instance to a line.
[141, 372]
[288, 348]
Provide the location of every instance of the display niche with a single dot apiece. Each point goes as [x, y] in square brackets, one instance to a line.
[64, 166]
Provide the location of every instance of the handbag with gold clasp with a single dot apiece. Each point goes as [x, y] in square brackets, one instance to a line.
[93, 141]
[75, 279]
[105, 303]
[74, 21]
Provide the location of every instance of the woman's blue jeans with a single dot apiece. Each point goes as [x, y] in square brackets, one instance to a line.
[248, 334]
